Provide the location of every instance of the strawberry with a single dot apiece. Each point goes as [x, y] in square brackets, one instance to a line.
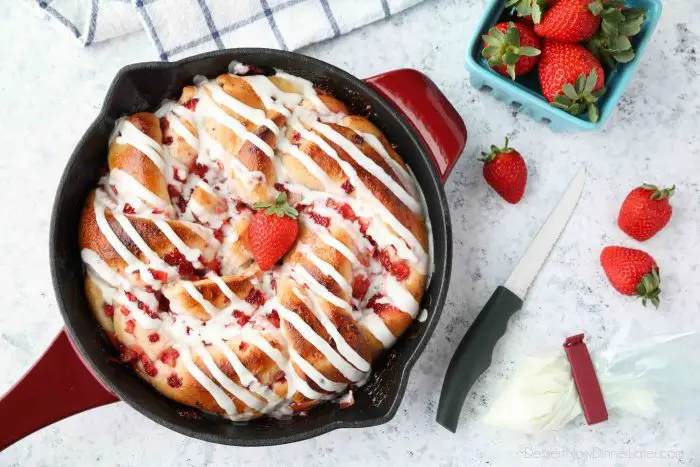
[571, 78]
[506, 172]
[632, 272]
[571, 20]
[645, 211]
[511, 49]
[611, 44]
[273, 231]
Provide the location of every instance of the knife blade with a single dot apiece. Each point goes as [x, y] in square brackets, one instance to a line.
[473, 355]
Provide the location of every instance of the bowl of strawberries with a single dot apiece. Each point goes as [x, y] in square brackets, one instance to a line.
[563, 62]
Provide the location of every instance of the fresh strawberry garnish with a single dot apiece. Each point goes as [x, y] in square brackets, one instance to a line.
[571, 78]
[645, 211]
[241, 318]
[273, 231]
[511, 49]
[191, 104]
[274, 318]
[255, 297]
[174, 381]
[148, 366]
[572, 20]
[128, 209]
[347, 187]
[108, 309]
[130, 326]
[319, 219]
[159, 275]
[154, 337]
[505, 171]
[360, 284]
[632, 272]
[169, 356]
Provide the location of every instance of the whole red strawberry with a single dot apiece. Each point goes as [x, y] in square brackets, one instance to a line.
[632, 272]
[571, 20]
[511, 49]
[273, 231]
[506, 172]
[571, 78]
[645, 211]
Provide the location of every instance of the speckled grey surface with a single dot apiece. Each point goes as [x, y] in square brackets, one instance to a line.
[51, 90]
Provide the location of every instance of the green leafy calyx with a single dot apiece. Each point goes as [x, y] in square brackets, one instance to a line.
[279, 207]
[581, 97]
[495, 152]
[504, 49]
[611, 44]
[659, 193]
[524, 8]
[648, 288]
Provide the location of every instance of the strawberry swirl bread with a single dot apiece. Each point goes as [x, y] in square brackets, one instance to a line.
[173, 280]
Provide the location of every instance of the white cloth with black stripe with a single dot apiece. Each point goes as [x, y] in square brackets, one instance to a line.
[179, 28]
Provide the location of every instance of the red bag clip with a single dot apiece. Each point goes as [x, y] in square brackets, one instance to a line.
[585, 379]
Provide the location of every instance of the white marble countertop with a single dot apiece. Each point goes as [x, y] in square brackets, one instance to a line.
[51, 90]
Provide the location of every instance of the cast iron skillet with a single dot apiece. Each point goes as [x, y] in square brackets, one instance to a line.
[435, 129]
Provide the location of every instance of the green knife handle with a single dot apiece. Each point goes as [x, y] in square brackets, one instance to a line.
[473, 355]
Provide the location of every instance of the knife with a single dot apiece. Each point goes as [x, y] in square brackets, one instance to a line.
[473, 355]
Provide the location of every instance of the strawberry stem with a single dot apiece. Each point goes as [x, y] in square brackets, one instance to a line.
[495, 152]
[504, 49]
[581, 97]
[648, 288]
[279, 207]
[659, 194]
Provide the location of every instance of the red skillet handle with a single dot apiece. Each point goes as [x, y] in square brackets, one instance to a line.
[428, 110]
[57, 386]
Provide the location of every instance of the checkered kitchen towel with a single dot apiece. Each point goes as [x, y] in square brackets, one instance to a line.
[179, 28]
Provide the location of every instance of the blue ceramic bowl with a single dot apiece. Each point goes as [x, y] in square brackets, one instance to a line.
[525, 92]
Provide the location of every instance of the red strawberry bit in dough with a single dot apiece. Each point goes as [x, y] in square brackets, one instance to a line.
[347, 187]
[109, 310]
[242, 346]
[281, 188]
[255, 297]
[130, 326]
[296, 137]
[131, 297]
[241, 318]
[175, 258]
[173, 191]
[191, 104]
[158, 275]
[129, 209]
[301, 207]
[274, 318]
[343, 209]
[148, 366]
[169, 357]
[319, 219]
[364, 225]
[219, 235]
[127, 355]
[174, 381]
[163, 303]
[182, 204]
[125, 311]
[154, 337]
[177, 176]
[164, 124]
[357, 139]
[399, 269]
[168, 140]
[200, 170]
[360, 284]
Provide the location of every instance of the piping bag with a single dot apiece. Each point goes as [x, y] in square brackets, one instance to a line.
[638, 376]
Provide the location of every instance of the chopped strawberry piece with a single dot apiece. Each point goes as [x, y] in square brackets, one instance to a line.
[157, 211]
[364, 225]
[149, 289]
[164, 124]
[173, 191]
[213, 265]
[357, 139]
[346, 401]
[191, 104]
[188, 330]
[125, 311]
[126, 354]
[169, 356]
[114, 190]
[219, 235]
[175, 258]
[181, 204]
[129, 209]
[399, 269]
[200, 170]
[109, 310]
[273, 284]
[148, 366]
[131, 297]
[179, 176]
[296, 137]
[281, 188]
[163, 303]
[240, 205]
[130, 326]
[154, 337]
[344, 209]
[255, 297]
[242, 346]
[347, 186]
[274, 318]
[241, 318]
[168, 140]
[319, 219]
[301, 207]
[360, 284]
[158, 275]
[174, 381]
